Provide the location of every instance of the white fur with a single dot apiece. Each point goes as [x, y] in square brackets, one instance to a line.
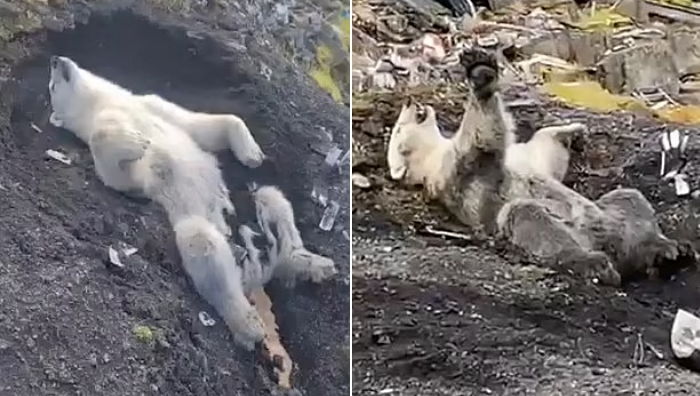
[213, 132]
[136, 151]
[291, 260]
[417, 152]
[207, 258]
[545, 154]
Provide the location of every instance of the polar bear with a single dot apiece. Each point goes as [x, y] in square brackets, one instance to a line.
[256, 264]
[546, 153]
[291, 260]
[218, 278]
[471, 174]
[213, 132]
[136, 152]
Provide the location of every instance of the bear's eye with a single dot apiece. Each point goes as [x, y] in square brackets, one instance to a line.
[421, 113]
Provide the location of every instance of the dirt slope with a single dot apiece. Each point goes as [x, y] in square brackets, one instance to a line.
[452, 317]
[68, 316]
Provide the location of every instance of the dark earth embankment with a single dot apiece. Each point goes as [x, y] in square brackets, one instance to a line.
[434, 316]
[67, 316]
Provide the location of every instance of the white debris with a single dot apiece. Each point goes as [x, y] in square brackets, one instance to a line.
[320, 195]
[685, 334]
[36, 128]
[58, 156]
[206, 319]
[345, 160]
[360, 180]
[329, 216]
[333, 156]
[123, 250]
[114, 257]
[682, 186]
[130, 251]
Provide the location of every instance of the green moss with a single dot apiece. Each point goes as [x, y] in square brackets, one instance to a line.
[143, 334]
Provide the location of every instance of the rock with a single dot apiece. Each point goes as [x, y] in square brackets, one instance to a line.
[643, 66]
[360, 180]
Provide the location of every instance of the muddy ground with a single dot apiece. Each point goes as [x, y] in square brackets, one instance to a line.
[67, 315]
[435, 316]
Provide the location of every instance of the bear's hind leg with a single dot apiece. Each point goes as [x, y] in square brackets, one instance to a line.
[644, 246]
[292, 260]
[530, 225]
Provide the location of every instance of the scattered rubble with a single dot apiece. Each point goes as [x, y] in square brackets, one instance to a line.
[629, 69]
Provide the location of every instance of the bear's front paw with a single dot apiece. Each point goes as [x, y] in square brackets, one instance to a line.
[482, 71]
[55, 121]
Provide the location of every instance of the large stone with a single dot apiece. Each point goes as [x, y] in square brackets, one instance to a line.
[646, 65]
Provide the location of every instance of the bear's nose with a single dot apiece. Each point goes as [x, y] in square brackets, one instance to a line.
[54, 61]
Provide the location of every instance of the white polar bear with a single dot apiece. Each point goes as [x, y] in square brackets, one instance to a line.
[218, 278]
[213, 132]
[290, 259]
[521, 197]
[546, 153]
[135, 151]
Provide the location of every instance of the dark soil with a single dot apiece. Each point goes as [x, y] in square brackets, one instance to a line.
[68, 315]
[435, 316]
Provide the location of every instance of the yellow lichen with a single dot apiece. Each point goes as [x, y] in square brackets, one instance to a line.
[602, 19]
[689, 114]
[344, 27]
[591, 95]
[321, 73]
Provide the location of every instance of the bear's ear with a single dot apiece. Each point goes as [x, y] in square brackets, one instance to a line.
[64, 66]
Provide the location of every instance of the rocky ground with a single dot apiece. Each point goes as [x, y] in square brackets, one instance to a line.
[453, 316]
[71, 323]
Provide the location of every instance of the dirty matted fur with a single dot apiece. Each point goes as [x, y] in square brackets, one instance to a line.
[520, 195]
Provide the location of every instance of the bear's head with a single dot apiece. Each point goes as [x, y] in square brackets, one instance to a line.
[64, 84]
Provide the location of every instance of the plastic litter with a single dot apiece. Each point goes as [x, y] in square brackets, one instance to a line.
[206, 319]
[685, 338]
[332, 156]
[681, 184]
[58, 156]
[114, 257]
[123, 250]
[320, 195]
[329, 216]
[673, 157]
